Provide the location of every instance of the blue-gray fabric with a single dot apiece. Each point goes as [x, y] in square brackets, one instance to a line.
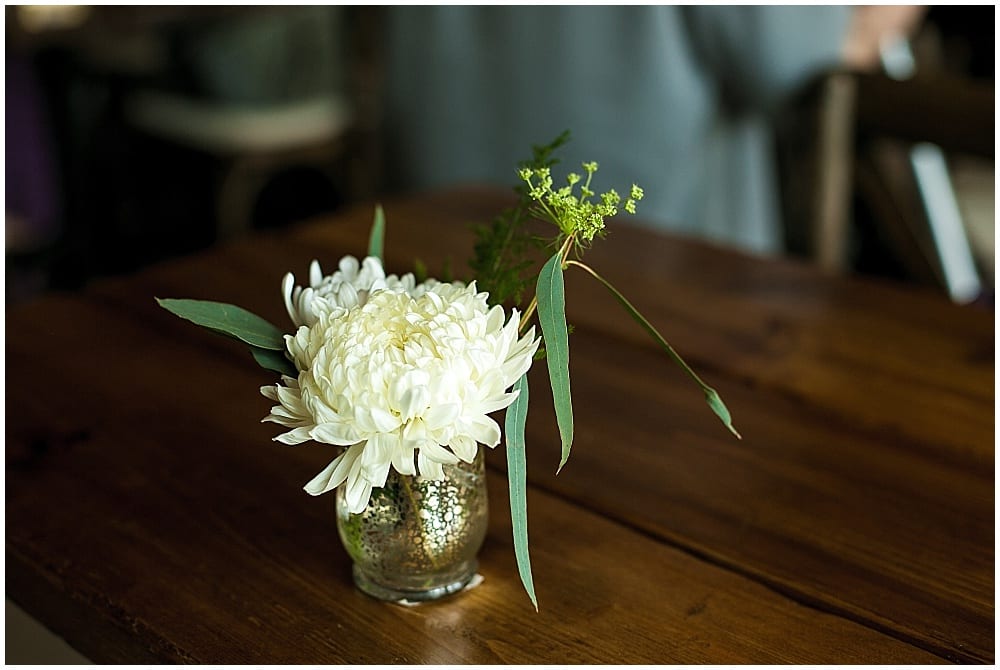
[676, 99]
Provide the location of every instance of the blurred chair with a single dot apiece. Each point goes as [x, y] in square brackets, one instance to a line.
[175, 126]
[871, 138]
[256, 142]
[272, 100]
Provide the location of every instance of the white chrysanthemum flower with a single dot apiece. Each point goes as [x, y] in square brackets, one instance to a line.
[349, 286]
[405, 377]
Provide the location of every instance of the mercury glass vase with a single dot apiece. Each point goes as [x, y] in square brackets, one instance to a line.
[418, 539]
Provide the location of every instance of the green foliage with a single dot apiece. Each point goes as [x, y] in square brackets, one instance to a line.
[501, 267]
[275, 361]
[500, 262]
[352, 530]
[517, 476]
[552, 317]
[419, 270]
[228, 320]
[267, 342]
[376, 238]
[495, 265]
[575, 216]
[714, 401]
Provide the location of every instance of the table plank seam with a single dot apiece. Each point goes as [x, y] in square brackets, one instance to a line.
[778, 586]
[127, 628]
[784, 588]
[711, 372]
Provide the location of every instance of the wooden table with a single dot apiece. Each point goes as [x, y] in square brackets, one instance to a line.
[151, 518]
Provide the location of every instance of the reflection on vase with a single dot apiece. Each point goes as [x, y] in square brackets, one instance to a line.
[418, 539]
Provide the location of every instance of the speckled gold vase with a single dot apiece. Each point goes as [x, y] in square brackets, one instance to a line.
[418, 539]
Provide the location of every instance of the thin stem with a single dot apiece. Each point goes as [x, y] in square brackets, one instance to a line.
[711, 395]
[645, 324]
[415, 509]
[529, 312]
[541, 201]
[552, 215]
[516, 215]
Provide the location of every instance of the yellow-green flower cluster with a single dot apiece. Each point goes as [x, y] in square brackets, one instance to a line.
[576, 215]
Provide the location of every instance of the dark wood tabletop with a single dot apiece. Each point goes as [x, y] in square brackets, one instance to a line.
[151, 518]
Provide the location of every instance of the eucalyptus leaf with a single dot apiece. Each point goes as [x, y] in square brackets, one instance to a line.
[712, 396]
[714, 401]
[376, 238]
[517, 477]
[275, 361]
[228, 320]
[551, 296]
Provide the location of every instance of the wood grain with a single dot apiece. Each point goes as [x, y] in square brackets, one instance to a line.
[209, 552]
[151, 518]
[835, 517]
[879, 394]
[777, 324]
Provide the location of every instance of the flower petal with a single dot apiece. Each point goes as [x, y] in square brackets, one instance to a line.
[376, 459]
[429, 469]
[485, 430]
[335, 473]
[436, 452]
[402, 459]
[413, 402]
[315, 274]
[358, 489]
[497, 403]
[464, 447]
[385, 422]
[342, 434]
[348, 265]
[293, 437]
[287, 286]
[438, 416]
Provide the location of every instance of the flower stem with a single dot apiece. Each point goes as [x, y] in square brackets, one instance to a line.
[527, 314]
[711, 395]
[530, 311]
[415, 508]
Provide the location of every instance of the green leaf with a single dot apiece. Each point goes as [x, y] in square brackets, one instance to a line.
[419, 270]
[499, 264]
[228, 320]
[712, 396]
[376, 238]
[541, 154]
[517, 477]
[714, 401]
[552, 317]
[276, 361]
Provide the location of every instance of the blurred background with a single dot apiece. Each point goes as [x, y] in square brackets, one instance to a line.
[134, 134]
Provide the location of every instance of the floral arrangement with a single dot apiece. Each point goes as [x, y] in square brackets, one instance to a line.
[404, 374]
